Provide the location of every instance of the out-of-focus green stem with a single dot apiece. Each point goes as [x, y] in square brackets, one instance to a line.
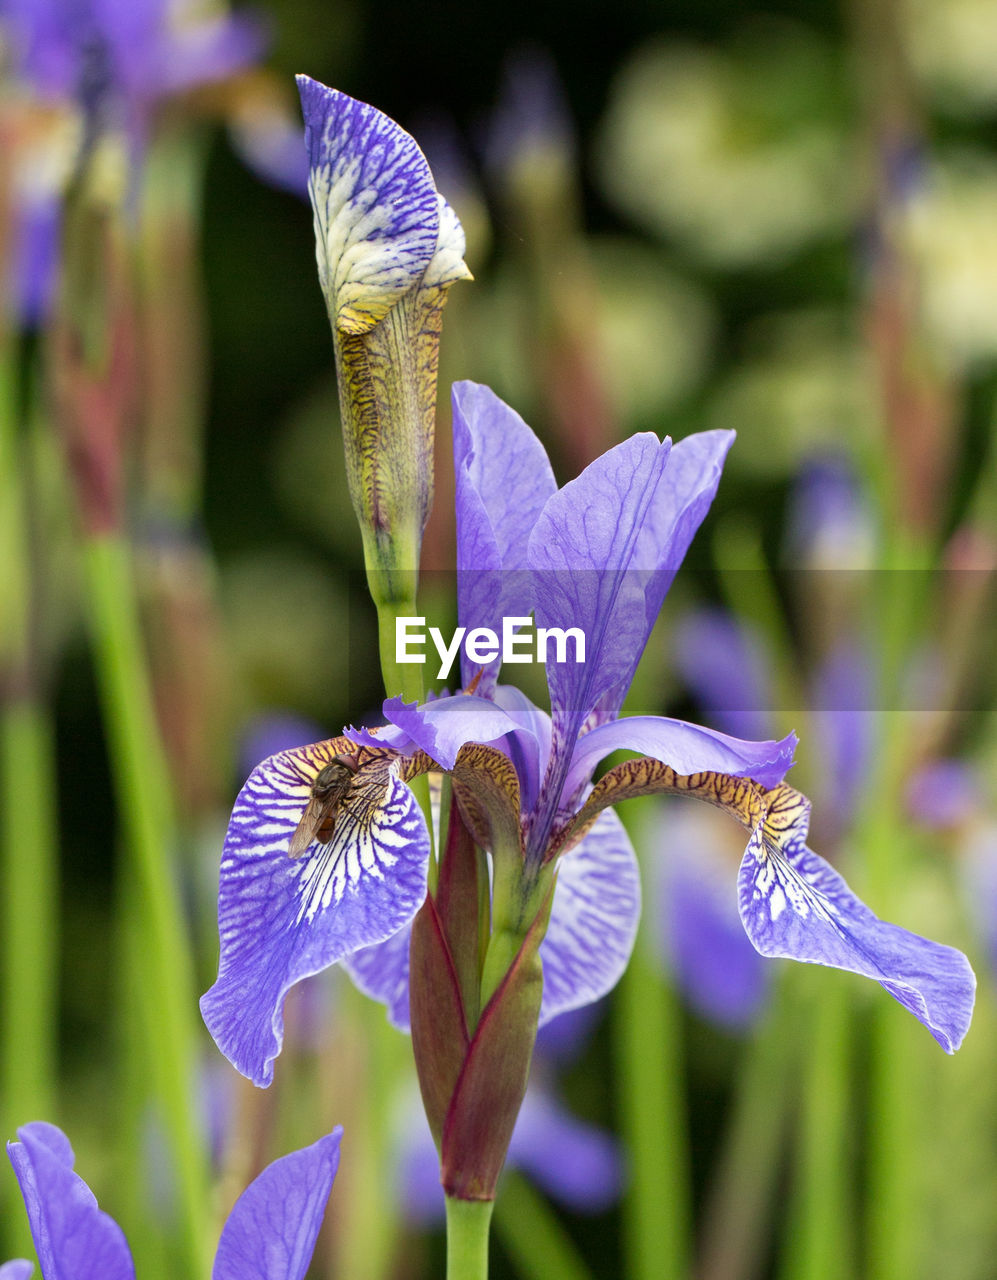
[30, 928]
[819, 1244]
[739, 1209]
[648, 1045]
[533, 1235]
[143, 792]
[467, 1238]
[367, 1245]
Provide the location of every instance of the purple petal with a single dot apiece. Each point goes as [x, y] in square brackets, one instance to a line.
[576, 1163]
[795, 904]
[377, 213]
[74, 1239]
[382, 973]
[281, 919]
[727, 670]
[442, 727]
[503, 478]
[717, 968]
[16, 1269]
[588, 573]
[682, 499]
[529, 747]
[686, 748]
[271, 1232]
[593, 921]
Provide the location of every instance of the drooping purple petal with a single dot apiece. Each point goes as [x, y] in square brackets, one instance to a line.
[726, 669]
[593, 921]
[271, 1232]
[382, 973]
[271, 144]
[16, 1269]
[718, 970]
[75, 1240]
[795, 904]
[377, 214]
[503, 478]
[576, 1163]
[281, 918]
[686, 748]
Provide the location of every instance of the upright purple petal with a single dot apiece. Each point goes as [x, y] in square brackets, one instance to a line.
[271, 1232]
[593, 921]
[503, 478]
[795, 904]
[725, 667]
[589, 574]
[281, 919]
[75, 1240]
[686, 748]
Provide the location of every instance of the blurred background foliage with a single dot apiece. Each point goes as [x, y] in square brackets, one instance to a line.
[782, 220]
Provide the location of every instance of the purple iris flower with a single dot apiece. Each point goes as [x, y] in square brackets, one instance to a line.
[597, 555]
[270, 1233]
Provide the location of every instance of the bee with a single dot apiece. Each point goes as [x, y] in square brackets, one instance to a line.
[329, 791]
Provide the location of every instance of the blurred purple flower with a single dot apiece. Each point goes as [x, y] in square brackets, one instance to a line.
[271, 732]
[944, 793]
[111, 63]
[727, 669]
[270, 1233]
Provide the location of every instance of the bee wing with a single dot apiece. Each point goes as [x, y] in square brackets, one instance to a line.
[305, 831]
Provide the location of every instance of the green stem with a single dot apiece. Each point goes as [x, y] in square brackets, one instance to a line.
[143, 791]
[467, 1238]
[739, 1207]
[533, 1235]
[648, 1043]
[28, 838]
[819, 1241]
